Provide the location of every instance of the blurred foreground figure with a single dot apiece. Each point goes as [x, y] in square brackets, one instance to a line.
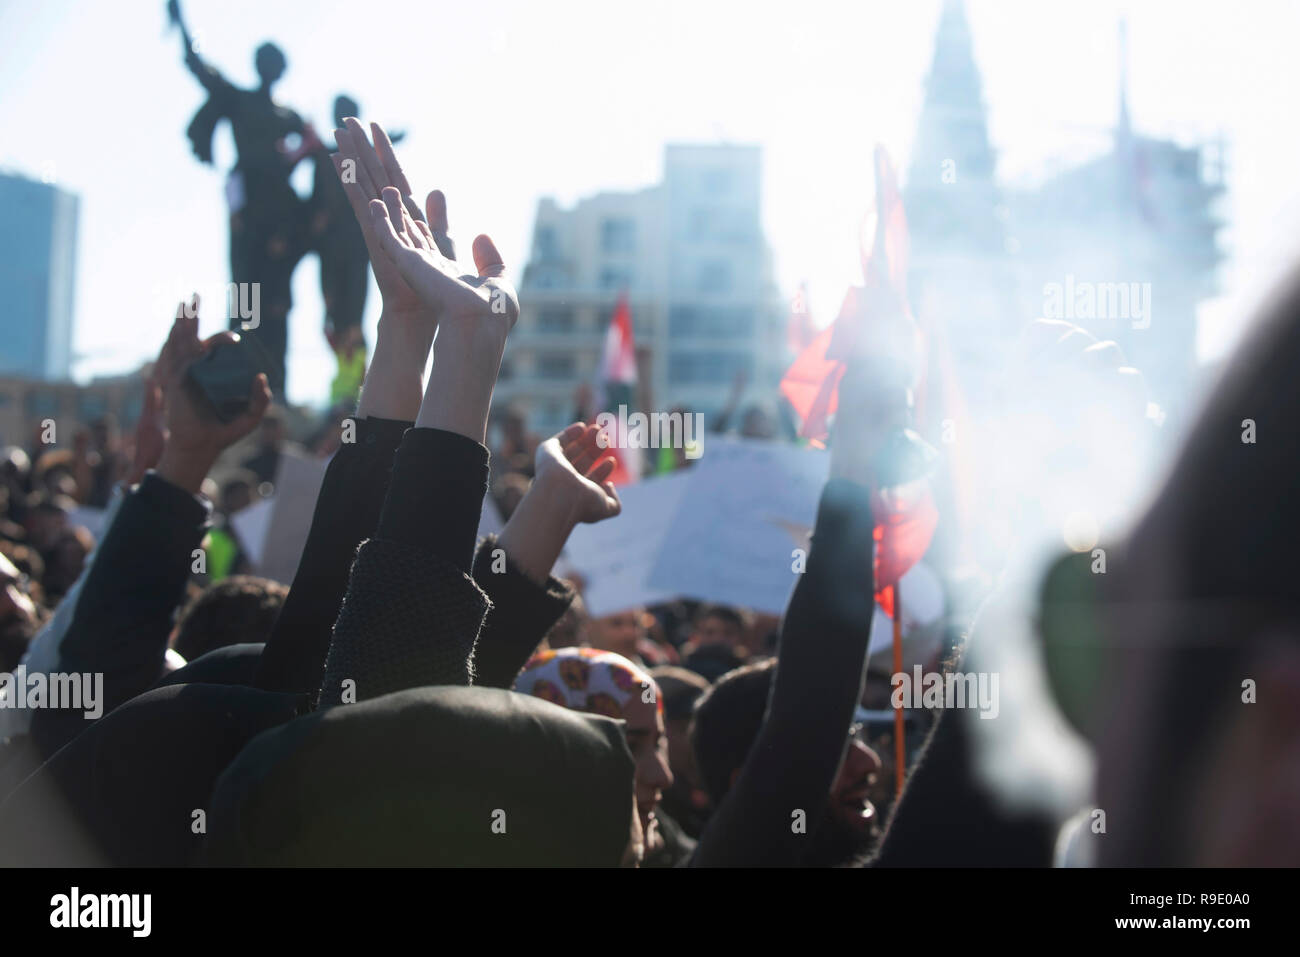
[1193, 635]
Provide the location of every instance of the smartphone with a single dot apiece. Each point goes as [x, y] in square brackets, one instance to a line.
[223, 377]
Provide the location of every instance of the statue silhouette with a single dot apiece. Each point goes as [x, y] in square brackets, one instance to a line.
[268, 228]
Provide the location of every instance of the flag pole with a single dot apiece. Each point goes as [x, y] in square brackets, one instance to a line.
[900, 760]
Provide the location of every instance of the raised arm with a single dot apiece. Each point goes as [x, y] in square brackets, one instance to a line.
[412, 612]
[206, 74]
[357, 481]
[821, 664]
[571, 487]
[124, 608]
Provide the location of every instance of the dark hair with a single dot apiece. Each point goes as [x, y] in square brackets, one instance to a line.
[727, 721]
[679, 688]
[728, 614]
[241, 608]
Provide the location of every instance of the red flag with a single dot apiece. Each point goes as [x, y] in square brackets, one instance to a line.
[619, 364]
[875, 318]
[902, 538]
[878, 308]
[800, 331]
[618, 376]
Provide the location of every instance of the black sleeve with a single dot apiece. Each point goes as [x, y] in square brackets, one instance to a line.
[412, 612]
[820, 668]
[347, 512]
[522, 613]
[124, 610]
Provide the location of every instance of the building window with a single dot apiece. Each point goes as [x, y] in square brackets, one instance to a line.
[42, 403]
[714, 277]
[91, 406]
[555, 320]
[545, 244]
[613, 278]
[706, 368]
[717, 181]
[618, 236]
[715, 321]
[555, 366]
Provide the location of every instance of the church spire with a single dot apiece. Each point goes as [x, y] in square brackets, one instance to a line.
[951, 195]
[1124, 128]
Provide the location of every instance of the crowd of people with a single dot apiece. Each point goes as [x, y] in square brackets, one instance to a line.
[421, 695]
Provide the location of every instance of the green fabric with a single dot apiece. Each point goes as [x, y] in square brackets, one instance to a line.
[222, 550]
[352, 371]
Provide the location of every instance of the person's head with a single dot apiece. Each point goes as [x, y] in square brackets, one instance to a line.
[104, 432]
[599, 682]
[235, 610]
[270, 63]
[758, 422]
[273, 431]
[719, 625]
[52, 473]
[726, 724]
[344, 106]
[46, 521]
[570, 630]
[19, 614]
[514, 425]
[67, 559]
[619, 632]
[237, 492]
[14, 464]
[508, 491]
[679, 689]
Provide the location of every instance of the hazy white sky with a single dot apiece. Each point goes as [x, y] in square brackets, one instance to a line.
[518, 100]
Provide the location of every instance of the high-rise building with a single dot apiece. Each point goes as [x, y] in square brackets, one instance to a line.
[690, 255]
[38, 244]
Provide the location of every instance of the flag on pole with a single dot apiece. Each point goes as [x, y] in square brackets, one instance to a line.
[875, 319]
[878, 310]
[618, 382]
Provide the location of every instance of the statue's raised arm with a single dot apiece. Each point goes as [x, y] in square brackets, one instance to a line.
[206, 74]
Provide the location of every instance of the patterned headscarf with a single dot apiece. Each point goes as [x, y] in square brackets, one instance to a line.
[587, 679]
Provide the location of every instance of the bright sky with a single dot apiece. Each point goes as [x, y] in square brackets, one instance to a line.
[570, 98]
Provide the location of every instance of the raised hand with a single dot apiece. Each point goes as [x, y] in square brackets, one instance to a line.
[365, 171]
[573, 471]
[572, 486]
[194, 435]
[483, 303]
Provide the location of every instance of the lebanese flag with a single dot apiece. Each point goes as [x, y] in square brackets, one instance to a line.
[618, 379]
